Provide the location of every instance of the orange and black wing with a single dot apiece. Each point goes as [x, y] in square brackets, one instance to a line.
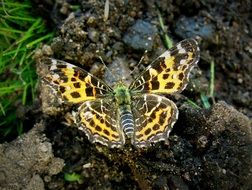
[71, 83]
[169, 73]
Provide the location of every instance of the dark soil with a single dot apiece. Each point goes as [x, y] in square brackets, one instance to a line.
[208, 148]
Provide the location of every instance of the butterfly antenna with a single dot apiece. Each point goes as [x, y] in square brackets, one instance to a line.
[111, 73]
[140, 61]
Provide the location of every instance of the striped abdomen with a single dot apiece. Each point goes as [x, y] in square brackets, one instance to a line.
[127, 122]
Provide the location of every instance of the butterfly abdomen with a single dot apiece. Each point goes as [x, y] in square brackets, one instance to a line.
[123, 100]
[127, 122]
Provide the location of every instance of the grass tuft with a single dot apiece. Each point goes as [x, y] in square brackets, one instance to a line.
[20, 34]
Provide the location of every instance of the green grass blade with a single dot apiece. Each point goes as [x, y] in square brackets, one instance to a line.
[168, 41]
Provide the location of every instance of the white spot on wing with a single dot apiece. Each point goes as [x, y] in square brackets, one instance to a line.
[181, 50]
[54, 61]
[88, 115]
[174, 76]
[53, 67]
[55, 76]
[70, 65]
[182, 61]
[165, 54]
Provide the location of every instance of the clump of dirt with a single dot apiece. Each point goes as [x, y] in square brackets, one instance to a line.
[28, 160]
[209, 148]
[221, 139]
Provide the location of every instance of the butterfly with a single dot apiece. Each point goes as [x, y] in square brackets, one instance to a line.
[139, 111]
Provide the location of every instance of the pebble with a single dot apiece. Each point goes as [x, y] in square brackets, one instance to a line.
[93, 35]
[188, 27]
[140, 36]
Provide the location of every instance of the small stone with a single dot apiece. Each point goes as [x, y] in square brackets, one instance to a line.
[140, 36]
[93, 35]
[87, 165]
[202, 141]
[194, 26]
[91, 20]
[240, 81]
[46, 50]
[105, 39]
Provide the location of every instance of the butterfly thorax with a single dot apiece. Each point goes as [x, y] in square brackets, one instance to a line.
[122, 95]
[123, 100]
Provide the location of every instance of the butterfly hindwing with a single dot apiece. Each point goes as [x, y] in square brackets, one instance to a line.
[99, 120]
[169, 73]
[154, 118]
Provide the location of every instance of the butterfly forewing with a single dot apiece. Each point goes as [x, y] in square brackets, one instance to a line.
[71, 83]
[169, 73]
